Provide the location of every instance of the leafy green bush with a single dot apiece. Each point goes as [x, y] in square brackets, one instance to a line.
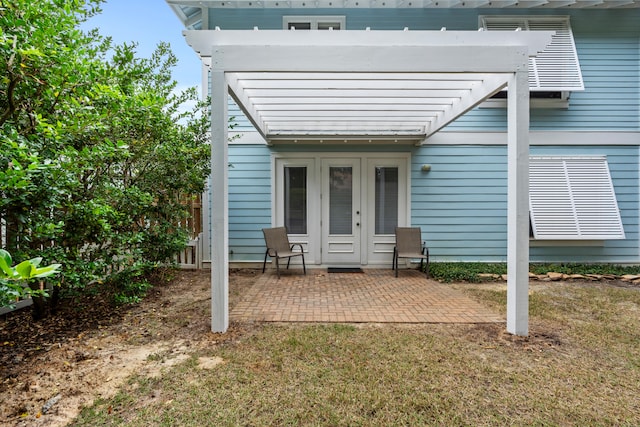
[132, 292]
[98, 148]
[131, 284]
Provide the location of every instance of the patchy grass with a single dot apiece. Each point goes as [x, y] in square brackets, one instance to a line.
[579, 366]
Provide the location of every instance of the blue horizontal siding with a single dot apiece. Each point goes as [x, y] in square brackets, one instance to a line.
[249, 200]
[607, 42]
[449, 203]
[461, 204]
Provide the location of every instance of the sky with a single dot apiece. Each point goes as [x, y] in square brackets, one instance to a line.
[148, 22]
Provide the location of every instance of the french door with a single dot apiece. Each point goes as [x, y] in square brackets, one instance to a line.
[341, 216]
[342, 208]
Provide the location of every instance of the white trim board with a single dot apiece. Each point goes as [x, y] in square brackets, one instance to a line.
[601, 138]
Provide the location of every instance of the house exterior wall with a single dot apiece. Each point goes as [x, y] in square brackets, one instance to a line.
[461, 202]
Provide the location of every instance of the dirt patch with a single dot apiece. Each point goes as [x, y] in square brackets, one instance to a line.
[52, 368]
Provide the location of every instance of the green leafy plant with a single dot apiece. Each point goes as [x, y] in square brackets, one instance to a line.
[132, 284]
[15, 281]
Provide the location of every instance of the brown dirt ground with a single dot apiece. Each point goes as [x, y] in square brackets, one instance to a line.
[89, 347]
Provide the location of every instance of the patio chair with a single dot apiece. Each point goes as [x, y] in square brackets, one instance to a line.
[278, 247]
[409, 245]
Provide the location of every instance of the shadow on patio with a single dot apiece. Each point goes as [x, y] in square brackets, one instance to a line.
[375, 296]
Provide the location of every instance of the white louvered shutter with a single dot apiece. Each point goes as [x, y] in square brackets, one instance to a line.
[572, 198]
[557, 67]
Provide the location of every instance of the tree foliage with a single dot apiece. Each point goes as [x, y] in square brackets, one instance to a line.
[98, 152]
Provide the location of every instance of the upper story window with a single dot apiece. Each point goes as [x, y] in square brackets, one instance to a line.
[313, 22]
[555, 72]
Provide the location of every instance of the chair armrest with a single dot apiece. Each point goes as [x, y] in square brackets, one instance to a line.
[299, 245]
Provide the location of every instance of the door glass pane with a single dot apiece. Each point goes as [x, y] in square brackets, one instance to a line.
[386, 200]
[340, 200]
[295, 199]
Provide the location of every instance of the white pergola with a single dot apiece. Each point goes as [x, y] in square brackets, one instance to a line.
[368, 86]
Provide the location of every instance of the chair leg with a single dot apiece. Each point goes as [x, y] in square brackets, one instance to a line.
[393, 261]
[288, 261]
[264, 264]
[278, 266]
[427, 267]
[396, 264]
[304, 267]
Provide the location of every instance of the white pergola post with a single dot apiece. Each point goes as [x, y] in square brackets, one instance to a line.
[518, 204]
[219, 204]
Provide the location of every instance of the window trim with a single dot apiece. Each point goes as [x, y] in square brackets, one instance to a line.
[563, 203]
[314, 20]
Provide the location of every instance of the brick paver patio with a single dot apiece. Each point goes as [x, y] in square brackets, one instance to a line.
[375, 296]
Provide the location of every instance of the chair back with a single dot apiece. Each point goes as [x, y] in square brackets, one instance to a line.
[276, 239]
[408, 239]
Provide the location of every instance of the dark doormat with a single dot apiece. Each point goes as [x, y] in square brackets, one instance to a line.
[344, 270]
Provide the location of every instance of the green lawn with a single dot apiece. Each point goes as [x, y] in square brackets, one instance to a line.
[579, 366]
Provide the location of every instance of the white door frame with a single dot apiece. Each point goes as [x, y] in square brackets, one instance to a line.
[313, 161]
